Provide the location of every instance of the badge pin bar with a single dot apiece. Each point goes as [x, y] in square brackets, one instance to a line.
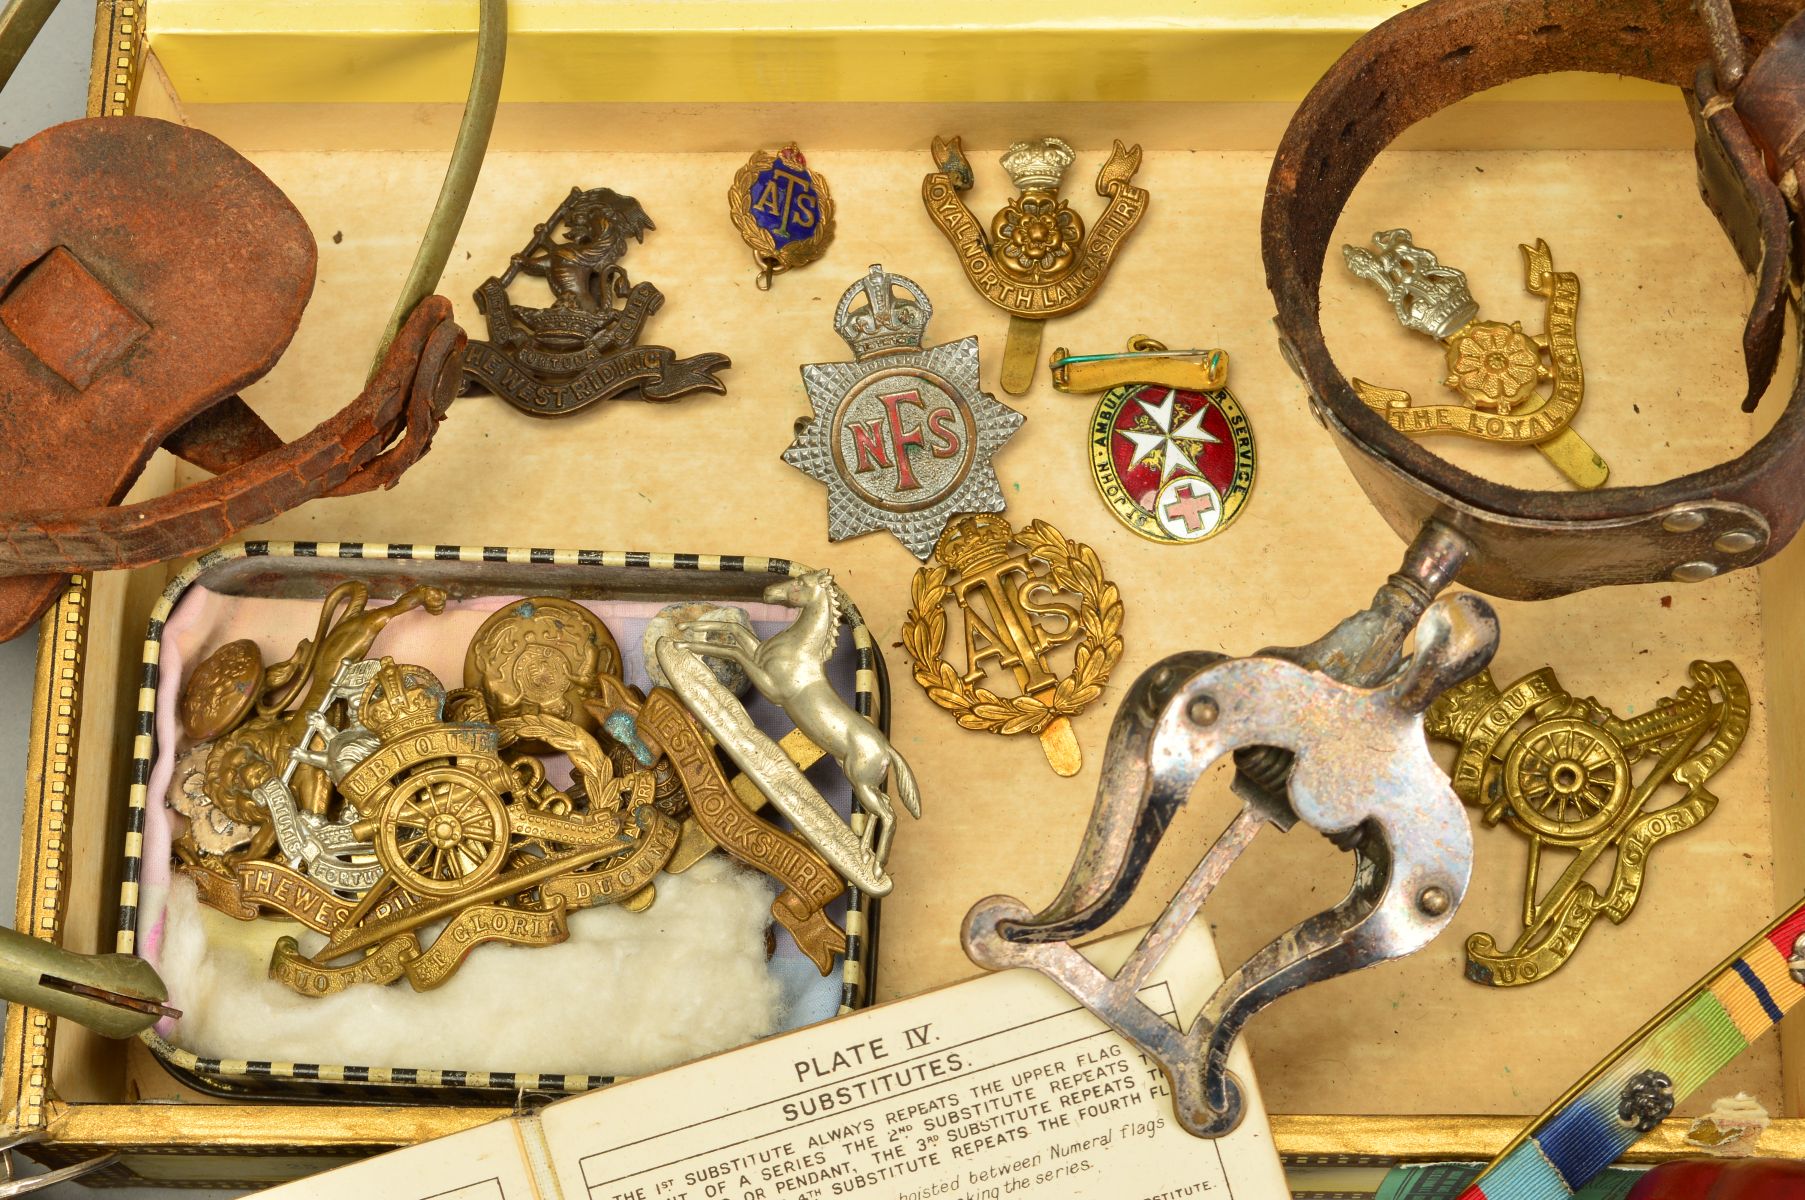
[1145, 361]
[1172, 453]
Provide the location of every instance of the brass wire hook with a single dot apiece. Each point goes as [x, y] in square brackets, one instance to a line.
[460, 174]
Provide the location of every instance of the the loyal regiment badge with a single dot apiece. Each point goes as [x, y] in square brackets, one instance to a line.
[1495, 368]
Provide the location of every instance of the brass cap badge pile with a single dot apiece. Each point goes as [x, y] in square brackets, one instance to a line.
[363, 799]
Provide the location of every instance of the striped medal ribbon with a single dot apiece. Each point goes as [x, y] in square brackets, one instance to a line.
[1669, 1058]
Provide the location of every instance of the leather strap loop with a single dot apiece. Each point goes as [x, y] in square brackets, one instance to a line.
[112, 344]
[348, 453]
[1528, 544]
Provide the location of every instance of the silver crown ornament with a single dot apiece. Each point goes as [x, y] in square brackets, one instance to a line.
[1427, 296]
[1038, 165]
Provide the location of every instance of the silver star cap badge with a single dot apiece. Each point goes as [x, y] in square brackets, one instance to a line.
[903, 437]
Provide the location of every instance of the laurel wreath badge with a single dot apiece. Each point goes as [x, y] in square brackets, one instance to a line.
[1072, 567]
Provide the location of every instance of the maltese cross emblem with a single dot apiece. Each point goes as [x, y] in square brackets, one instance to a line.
[903, 437]
[1171, 451]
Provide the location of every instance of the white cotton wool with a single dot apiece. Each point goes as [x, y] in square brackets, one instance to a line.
[627, 994]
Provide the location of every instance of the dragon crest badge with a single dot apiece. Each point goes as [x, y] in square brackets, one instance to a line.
[553, 361]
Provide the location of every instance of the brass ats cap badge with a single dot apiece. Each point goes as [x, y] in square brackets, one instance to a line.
[903, 437]
[1015, 608]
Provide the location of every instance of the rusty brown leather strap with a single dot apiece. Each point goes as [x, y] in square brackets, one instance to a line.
[346, 454]
[1536, 544]
[147, 274]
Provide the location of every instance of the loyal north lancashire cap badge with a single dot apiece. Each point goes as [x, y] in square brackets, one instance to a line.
[1035, 261]
[902, 436]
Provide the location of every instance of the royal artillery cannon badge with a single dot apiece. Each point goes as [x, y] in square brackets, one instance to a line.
[553, 361]
[1171, 451]
[1561, 771]
[1003, 598]
[1495, 368]
[903, 437]
[782, 210]
[1035, 262]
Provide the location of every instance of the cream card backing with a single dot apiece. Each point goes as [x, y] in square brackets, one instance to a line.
[999, 1086]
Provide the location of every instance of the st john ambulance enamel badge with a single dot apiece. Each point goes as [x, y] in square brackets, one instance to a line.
[903, 437]
[1171, 450]
[1174, 465]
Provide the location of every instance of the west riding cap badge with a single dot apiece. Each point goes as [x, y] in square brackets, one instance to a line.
[553, 361]
[1001, 598]
[1171, 451]
[1036, 261]
[782, 210]
[903, 437]
[1496, 368]
[1558, 769]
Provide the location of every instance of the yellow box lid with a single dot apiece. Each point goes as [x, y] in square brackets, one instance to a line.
[771, 51]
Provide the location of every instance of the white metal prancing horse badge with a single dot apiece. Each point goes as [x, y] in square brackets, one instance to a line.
[1171, 451]
[903, 437]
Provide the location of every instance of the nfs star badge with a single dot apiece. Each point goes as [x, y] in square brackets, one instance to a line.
[903, 437]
